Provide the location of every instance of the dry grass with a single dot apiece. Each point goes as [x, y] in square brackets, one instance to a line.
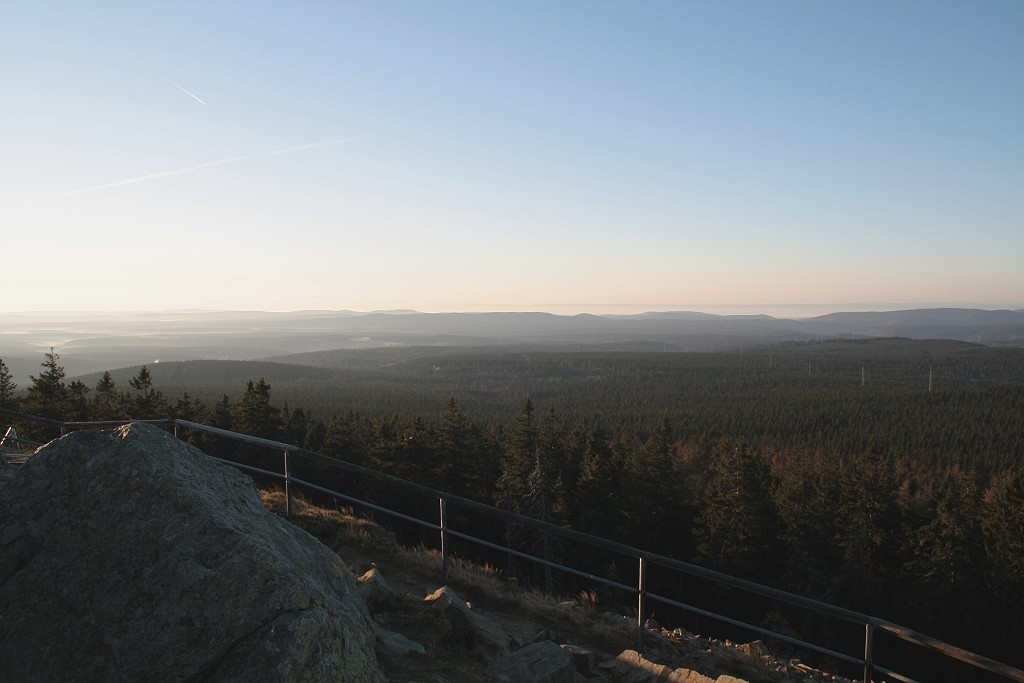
[580, 619]
[335, 528]
[343, 530]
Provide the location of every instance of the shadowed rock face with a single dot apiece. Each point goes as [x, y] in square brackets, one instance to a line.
[130, 555]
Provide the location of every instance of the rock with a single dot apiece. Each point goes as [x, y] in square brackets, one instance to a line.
[755, 648]
[375, 591]
[129, 555]
[631, 667]
[688, 676]
[397, 645]
[613, 619]
[543, 662]
[582, 658]
[482, 635]
[658, 646]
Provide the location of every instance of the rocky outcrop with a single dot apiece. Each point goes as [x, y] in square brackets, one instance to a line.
[130, 555]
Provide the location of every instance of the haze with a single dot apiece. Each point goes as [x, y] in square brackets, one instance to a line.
[566, 157]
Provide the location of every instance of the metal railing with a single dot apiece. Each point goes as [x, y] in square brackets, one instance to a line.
[645, 560]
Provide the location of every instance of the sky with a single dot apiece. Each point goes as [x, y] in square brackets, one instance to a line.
[564, 156]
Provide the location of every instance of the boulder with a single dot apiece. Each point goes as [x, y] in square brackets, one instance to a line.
[480, 634]
[375, 591]
[397, 645]
[632, 667]
[543, 662]
[129, 555]
[582, 658]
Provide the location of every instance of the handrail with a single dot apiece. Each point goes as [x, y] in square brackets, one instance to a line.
[444, 526]
[569, 534]
[12, 415]
[871, 624]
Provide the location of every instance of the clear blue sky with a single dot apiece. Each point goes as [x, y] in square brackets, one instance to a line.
[476, 155]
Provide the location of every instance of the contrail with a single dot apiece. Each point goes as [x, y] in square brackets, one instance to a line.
[210, 164]
[193, 96]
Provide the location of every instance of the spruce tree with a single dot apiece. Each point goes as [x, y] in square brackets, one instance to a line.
[78, 401]
[738, 524]
[454, 445]
[142, 382]
[48, 394]
[107, 403]
[221, 418]
[7, 388]
[1003, 529]
[344, 438]
[150, 403]
[805, 494]
[597, 491]
[254, 414]
[194, 410]
[868, 533]
[518, 460]
[948, 577]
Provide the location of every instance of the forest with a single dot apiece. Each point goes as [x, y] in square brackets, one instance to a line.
[886, 476]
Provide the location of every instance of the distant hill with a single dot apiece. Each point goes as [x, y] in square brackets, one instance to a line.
[96, 342]
[1003, 327]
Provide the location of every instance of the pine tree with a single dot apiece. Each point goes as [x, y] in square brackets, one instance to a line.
[805, 494]
[948, 577]
[7, 388]
[517, 462]
[106, 400]
[142, 382]
[78, 401]
[1003, 528]
[653, 497]
[313, 440]
[254, 414]
[597, 491]
[454, 446]
[545, 475]
[150, 403]
[738, 524]
[190, 408]
[294, 425]
[221, 417]
[345, 438]
[869, 533]
[48, 395]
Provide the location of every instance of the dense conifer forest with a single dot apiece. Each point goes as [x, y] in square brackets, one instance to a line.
[886, 476]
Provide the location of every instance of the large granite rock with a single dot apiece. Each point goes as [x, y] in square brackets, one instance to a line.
[130, 555]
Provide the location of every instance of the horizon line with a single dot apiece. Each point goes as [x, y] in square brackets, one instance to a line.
[638, 309]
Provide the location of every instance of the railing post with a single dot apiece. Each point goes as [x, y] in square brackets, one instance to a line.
[443, 505]
[869, 652]
[287, 488]
[641, 596]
